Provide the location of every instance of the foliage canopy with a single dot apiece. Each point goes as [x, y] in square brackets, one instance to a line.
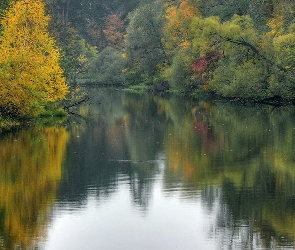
[30, 75]
[234, 48]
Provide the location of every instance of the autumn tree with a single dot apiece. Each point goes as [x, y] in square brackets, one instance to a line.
[177, 30]
[90, 18]
[30, 75]
[251, 64]
[178, 44]
[113, 31]
[242, 70]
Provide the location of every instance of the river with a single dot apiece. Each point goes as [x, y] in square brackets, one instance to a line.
[135, 171]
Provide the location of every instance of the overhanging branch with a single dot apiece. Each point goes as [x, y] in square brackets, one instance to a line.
[254, 49]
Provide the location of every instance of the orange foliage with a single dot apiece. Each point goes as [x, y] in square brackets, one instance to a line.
[113, 31]
[277, 26]
[177, 29]
[188, 10]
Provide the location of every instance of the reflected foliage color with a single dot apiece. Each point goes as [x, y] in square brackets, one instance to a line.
[30, 171]
[239, 156]
[237, 160]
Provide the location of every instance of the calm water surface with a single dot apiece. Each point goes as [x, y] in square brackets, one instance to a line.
[131, 171]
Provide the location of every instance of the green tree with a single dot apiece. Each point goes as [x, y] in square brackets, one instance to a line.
[3, 5]
[242, 68]
[144, 45]
[77, 54]
[258, 10]
[282, 81]
[108, 67]
[180, 74]
[251, 64]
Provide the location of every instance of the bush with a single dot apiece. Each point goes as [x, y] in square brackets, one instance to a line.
[180, 73]
[108, 67]
[247, 80]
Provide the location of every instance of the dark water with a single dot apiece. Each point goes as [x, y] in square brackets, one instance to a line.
[132, 171]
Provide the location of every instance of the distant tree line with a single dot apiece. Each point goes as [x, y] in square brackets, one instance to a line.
[233, 48]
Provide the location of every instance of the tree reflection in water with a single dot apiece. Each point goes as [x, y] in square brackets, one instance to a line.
[238, 160]
[244, 153]
[30, 171]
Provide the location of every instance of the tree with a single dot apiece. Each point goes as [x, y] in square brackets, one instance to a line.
[113, 31]
[258, 10]
[180, 73]
[90, 18]
[178, 44]
[77, 54]
[30, 75]
[177, 30]
[108, 67]
[240, 67]
[3, 5]
[252, 64]
[144, 44]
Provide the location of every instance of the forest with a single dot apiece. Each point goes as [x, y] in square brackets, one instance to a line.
[235, 49]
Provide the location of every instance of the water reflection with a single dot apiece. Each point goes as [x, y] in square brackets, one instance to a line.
[239, 157]
[30, 170]
[206, 175]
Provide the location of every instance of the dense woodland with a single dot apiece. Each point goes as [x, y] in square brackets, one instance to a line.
[234, 48]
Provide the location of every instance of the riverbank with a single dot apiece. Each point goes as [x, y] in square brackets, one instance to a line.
[194, 93]
[7, 124]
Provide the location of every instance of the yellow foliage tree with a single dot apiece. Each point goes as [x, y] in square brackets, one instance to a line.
[30, 75]
[177, 28]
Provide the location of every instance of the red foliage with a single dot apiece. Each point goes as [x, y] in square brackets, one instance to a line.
[200, 65]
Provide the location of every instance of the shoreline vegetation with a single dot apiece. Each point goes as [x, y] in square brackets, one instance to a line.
[194, 94]
[238, 51]
[59, 114]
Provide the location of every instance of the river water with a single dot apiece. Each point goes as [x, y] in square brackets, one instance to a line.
[134, 171]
